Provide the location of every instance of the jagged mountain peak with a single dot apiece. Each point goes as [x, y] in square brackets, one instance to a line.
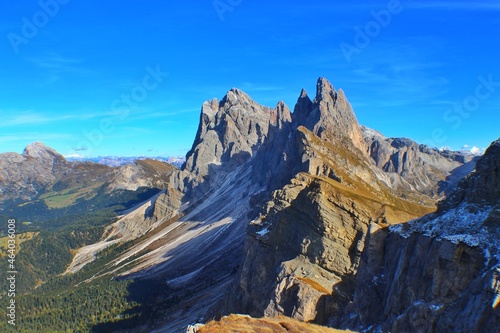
[237, 91]
[281, 114]
[303, 93]
[313, 196]
[303, 108]
[234, 128]
[371, 133]
[37, 145]
[324, 89]
[483, 185]
[230, 132]
[236, 96]
[233, 98]
[329, 115]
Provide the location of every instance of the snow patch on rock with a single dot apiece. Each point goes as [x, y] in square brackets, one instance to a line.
[463, 224]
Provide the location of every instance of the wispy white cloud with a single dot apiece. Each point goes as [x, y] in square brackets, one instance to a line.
[473, 150]
[34, 136]
[56, 66]
[455, 5]
[55, 61]
[135, 115]
[21, 118]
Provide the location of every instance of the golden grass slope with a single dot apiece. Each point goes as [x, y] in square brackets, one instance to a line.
[245, 324]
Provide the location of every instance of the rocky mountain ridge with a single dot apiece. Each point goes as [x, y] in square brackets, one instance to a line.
[40, 169]
[278, 208]
[414, 167]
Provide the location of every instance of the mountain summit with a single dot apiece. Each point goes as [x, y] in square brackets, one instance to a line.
[22, 176]
[41, 151]
[329, 115]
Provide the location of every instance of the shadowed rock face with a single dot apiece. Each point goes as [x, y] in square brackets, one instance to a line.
[236, 130]
[303, 251]
[439, 273]
[483, 186]
[306, 253]
[229, 134]
[320, 251]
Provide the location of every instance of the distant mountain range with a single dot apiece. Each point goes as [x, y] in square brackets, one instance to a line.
[40, 180]
[115, 161]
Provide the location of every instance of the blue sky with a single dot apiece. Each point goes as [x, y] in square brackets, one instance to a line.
[427, 70]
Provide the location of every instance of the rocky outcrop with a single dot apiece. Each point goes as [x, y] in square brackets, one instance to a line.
[329, 115]
[424, 284]
[408, 166]
[141, 173]
[303, 251]
[439, 273]
[229, 134]
[306, 253]
[136, 222]
[483, 186]
[23, 176]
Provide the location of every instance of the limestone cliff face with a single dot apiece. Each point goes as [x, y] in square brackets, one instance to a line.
[329, 115]
[401, 163]
[142, 173]
[146, 217]
[439, 273]
[483, 186]
[229, 134]
[424, 284]
[320, 248]
[237, 130]
[303, 252]
[408, 166]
